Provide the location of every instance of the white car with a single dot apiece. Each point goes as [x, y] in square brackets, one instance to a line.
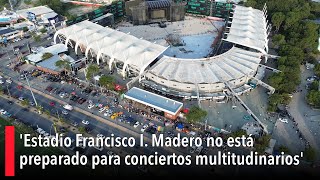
[144, 127]
[100, 136]
[283, 120]
[136, 124]
[85, 122]
[1, 82]
[2, 111]
[21, 98]
[62, 95]
[102, 109]
[64, 112]
[8, 81]
[107, 114]
[68, 107]
[90, 106]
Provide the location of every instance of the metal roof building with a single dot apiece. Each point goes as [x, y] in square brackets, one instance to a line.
[154, 100]
[233, 64]
[55, 49]
[134, 53]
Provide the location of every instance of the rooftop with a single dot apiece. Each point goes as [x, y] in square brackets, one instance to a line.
[39, 10]
[6, 31]
[51, 62]
[230, 65]
[154, 100]
[55, 49]
[157, 4]
[132, 51]
[248, 28]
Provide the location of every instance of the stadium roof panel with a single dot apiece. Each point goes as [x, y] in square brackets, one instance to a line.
[123, 47]
[154, 100]
[230, 65]
[248, 28]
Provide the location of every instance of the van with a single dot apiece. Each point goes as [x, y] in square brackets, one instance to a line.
[68, 107]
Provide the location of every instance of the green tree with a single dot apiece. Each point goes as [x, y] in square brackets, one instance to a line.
[47, 112]
[39, 108]
[196, 114]
[313, 98]
[64, 65]
[46, 55]
[37, 38]
[262, 143]
[310, 154]
[278, 39]
[106, 81]
[91, 70]
[25, 29]
[25, 102]
[43, 30]
[277, 19]
[1, 90]
[82, 130]
[317, 70]
[284, 149]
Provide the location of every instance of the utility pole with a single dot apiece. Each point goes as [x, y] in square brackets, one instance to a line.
[34, 99]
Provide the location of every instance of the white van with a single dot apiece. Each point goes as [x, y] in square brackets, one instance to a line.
[68, 107]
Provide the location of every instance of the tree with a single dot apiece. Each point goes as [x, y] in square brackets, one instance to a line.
[313, 98]
[106, 81]
[1, 90]
[284, 149]
[82, 130]
[278, 39]
[25, 102]
[262, 143]
[47, 112]
[64, 64]
[91, 70]
[37, 38]
[25, 29]
[277, 19]
[43, 30]
[196, 114]
[46, 55]
[40, 109]
[317, 70]
[238, 133]
[310, 154]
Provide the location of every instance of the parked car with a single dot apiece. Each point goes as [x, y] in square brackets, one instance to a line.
[85, 122]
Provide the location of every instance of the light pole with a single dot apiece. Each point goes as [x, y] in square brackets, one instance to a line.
[8, 90]
[35, 101]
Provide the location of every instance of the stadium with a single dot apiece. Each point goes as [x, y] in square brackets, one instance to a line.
[233, 63]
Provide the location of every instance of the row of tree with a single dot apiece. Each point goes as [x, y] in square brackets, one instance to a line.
[295, 40]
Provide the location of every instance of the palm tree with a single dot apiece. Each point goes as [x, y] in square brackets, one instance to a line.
[106, 81]
[25, 102]
[47, 112]
[91, 70]
[40, 109]
[64, 64]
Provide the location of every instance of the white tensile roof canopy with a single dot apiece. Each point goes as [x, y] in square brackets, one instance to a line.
[132, 51]
[230, 65]
[248, 28]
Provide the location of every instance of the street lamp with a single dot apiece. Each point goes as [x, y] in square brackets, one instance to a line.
[8, 90]
[34, 99]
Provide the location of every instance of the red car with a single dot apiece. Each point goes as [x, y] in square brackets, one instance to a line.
[19, 87]
[51, 104]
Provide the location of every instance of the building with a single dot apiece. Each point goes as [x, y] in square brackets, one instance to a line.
[39, 14]
[105, 20]
[212, 77]
[8, 34]
[8, 17]
[144, 12]
[49, 65]
[119, 50]
[171, 108]
[36, 56]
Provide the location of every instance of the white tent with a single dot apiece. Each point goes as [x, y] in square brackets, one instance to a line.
[135, 53]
